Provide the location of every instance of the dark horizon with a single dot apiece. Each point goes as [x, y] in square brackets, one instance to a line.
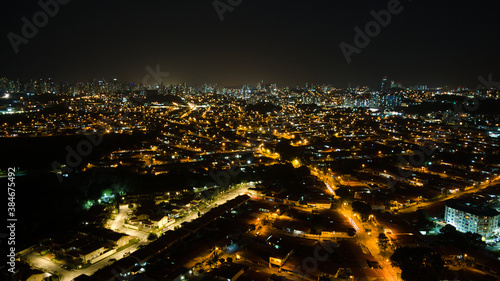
[288, 43]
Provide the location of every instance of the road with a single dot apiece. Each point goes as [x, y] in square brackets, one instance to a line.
[450, 196]
[370, 241]
[37, 261]
[116, 225]
[44, 264]
[330, 182]
[119, 218]
[221, 199]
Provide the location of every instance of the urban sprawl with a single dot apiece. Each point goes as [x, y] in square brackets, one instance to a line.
[280, 183]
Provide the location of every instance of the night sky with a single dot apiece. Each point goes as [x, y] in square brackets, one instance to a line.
[282, 41]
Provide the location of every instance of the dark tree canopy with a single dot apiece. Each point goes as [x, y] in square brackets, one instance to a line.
[363, 209]
[152, 236]
[383, 241]
[419, 263]
[423, 221]
[286, 151]
[449, 235]
[345, 194]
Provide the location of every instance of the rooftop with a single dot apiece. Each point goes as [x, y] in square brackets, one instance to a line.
[472, 209]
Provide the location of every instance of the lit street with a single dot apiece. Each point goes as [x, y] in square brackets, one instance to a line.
[413, 208]
[370, 241]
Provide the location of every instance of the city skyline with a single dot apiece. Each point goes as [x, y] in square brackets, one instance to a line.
[157, 78]
[449, 44]
[137, 173]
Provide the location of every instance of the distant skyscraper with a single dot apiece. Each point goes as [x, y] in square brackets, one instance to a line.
[385, 85]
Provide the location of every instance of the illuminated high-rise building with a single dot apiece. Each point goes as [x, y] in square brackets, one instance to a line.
[467, 217]
[385, 85]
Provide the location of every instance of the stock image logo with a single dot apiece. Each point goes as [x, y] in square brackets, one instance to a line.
[224, 6]
[372, 29]
[30, 28]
